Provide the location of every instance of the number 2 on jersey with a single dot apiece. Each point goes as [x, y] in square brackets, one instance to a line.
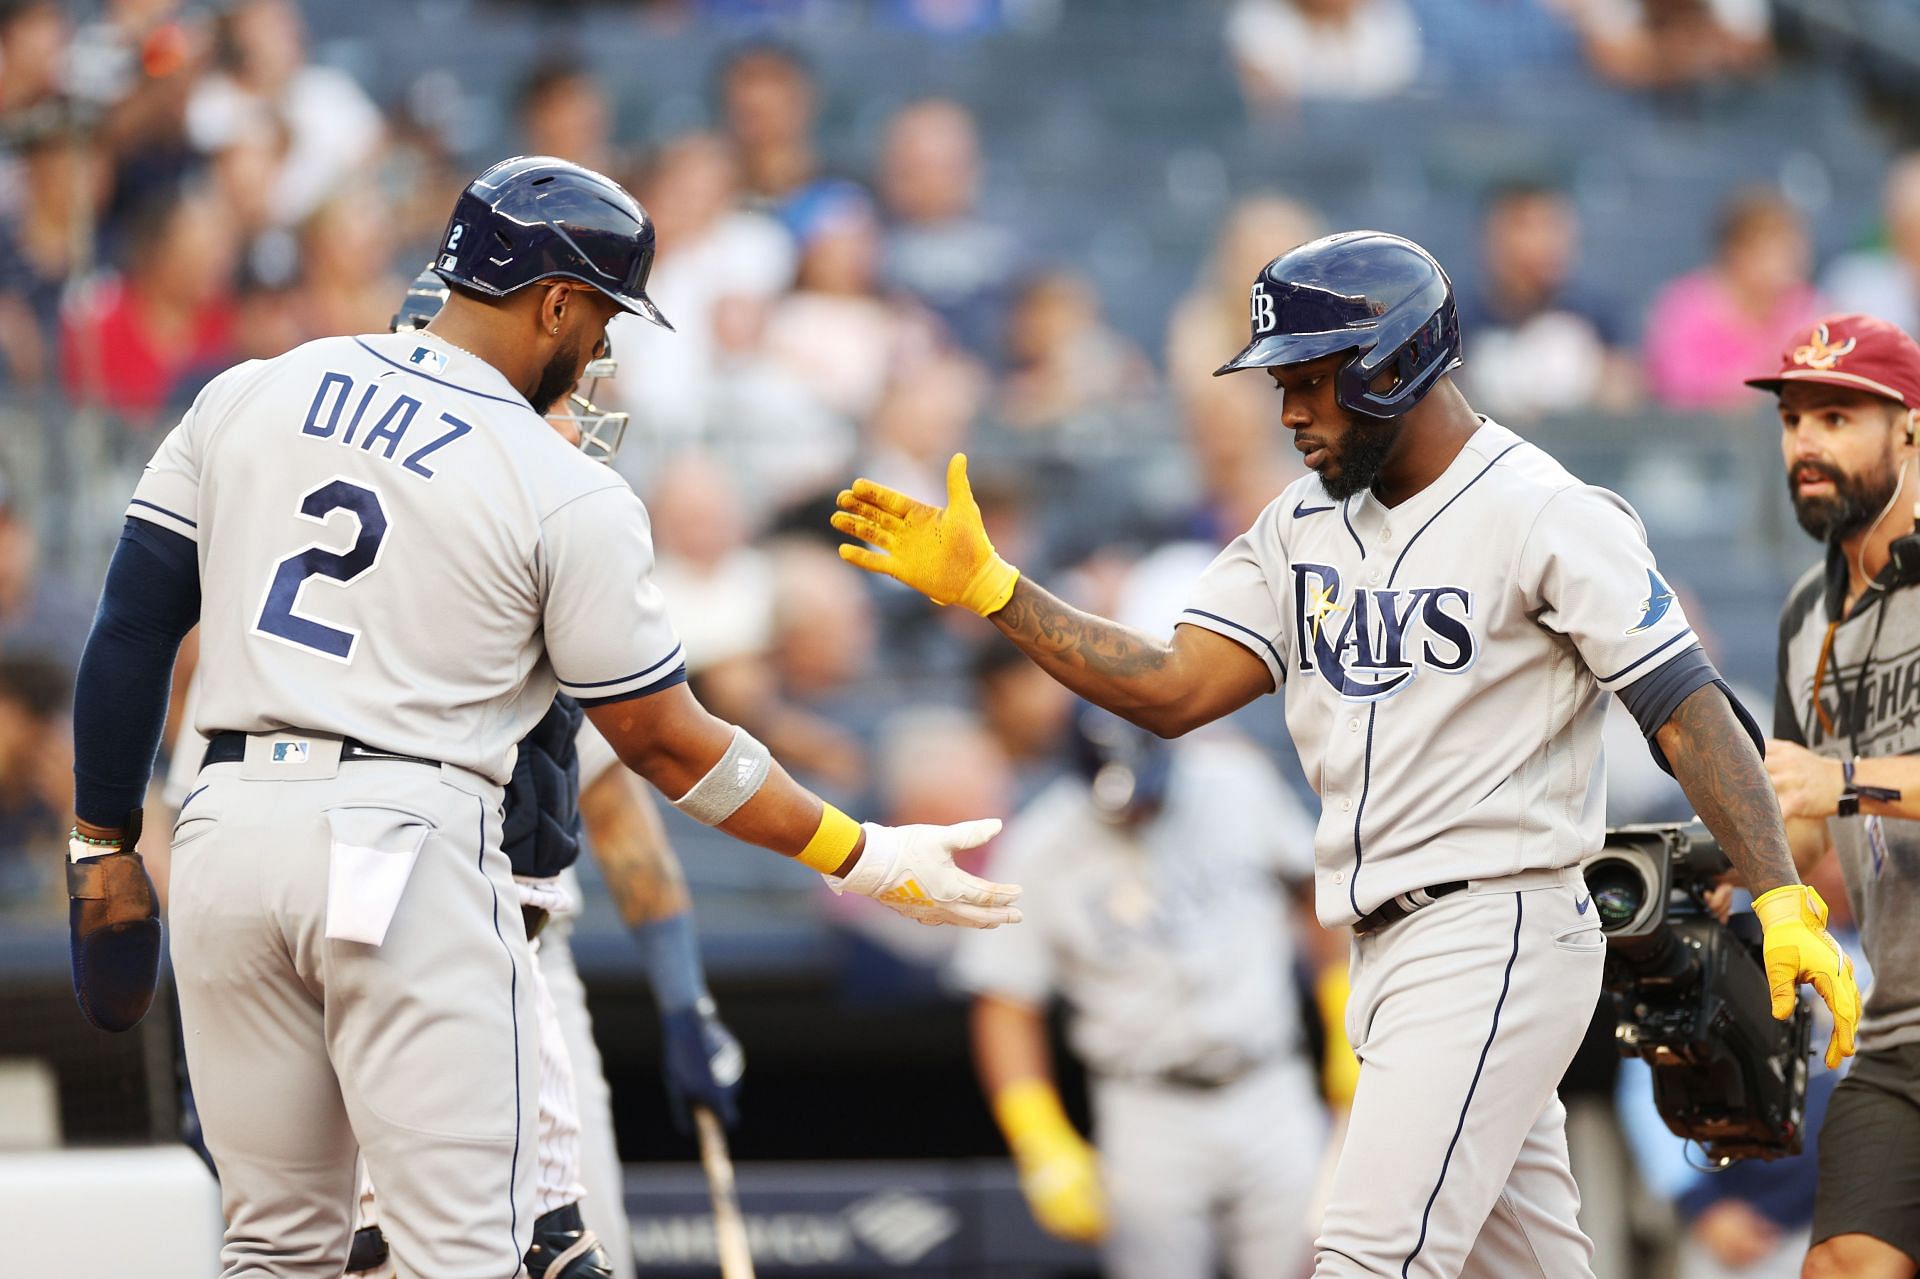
[278, 620]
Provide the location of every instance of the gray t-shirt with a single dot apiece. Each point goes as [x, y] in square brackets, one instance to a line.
[1170, 942]
[1878, 717]
[1444, 663]
[395, 547]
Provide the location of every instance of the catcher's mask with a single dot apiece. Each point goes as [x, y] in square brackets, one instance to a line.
[600, 431]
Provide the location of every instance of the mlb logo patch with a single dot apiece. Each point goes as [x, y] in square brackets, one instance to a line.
[425, 357]
[289, 752]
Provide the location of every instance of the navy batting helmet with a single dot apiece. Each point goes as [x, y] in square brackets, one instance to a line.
[1377, 295]
[537, 218]
[1127, 769]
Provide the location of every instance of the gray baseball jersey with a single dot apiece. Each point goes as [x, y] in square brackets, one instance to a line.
[1869, 705]
[1444, 660]
[1170, 942]
[401, 551]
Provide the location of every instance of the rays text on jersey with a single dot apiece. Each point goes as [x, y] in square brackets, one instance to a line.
[389, 423]
[1369, 644]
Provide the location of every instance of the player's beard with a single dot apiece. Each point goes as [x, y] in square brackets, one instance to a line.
[1358, 457]
[562, 371]
[1856, 500]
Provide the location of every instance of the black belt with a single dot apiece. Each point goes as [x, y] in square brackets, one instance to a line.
[1205, 1081]
[1192, 1078]
[231, 748]
[1395, 909]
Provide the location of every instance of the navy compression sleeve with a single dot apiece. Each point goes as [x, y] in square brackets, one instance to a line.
[1655, 696]
[150, 601]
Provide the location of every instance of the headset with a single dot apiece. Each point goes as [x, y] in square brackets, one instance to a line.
[1903, 553]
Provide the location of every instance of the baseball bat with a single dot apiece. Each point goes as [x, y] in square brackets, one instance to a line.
[729, 1227]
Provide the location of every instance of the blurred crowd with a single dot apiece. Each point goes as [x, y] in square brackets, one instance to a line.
[183, 187]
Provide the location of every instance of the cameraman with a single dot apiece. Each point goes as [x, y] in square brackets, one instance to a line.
[1846, 756]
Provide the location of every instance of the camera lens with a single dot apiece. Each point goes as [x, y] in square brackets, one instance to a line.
[1619, 891]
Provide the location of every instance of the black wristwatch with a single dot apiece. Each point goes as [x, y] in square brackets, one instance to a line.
[1852, 793]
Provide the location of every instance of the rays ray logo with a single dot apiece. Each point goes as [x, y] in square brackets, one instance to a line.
[1654, 607]
[1370, 644]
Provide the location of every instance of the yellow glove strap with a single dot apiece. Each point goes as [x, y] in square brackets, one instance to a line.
[991, 587]
[832, 840]
[1790, 903]
[1029, 1112]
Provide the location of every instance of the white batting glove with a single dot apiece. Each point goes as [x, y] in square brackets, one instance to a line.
[910, 869]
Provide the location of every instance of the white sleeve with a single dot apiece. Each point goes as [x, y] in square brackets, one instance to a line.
[1238, 597]
[1590, 576]
[168, 494]
[606, 625]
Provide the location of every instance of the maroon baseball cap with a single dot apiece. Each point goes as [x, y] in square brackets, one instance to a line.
[1851, 350]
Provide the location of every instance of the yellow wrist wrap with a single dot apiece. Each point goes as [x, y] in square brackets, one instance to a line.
[991, 587]
[831, 842]
[1790, 902]
[1030, 1111]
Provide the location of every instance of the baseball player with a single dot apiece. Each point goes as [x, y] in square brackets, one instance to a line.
[396, 566]
[1444, 606]
[1846, 727]
[546, 809]
[1161, 916]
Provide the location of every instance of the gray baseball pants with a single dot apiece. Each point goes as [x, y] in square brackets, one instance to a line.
[1200, 1180]
[419, 1052]
[1464, 1016]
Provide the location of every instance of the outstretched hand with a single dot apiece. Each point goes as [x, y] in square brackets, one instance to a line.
[941, 551]
[910, 870]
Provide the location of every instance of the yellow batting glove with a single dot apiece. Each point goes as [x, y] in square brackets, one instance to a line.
[1059, 1172]
[941, 551]
[1798, 948]
[1340, 1073]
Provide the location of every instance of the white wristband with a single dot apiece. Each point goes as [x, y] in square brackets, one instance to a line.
[741, 771]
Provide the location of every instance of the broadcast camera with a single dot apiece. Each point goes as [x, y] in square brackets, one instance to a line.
[1692, 998]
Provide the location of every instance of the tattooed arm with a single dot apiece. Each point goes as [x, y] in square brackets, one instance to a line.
[1168, 687]
[623, 826]
[700, 1058]
[1719, 768]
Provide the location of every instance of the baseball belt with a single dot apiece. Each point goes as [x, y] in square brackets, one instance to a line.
[231, 748]
[1395, 909]
[1192, 1078]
